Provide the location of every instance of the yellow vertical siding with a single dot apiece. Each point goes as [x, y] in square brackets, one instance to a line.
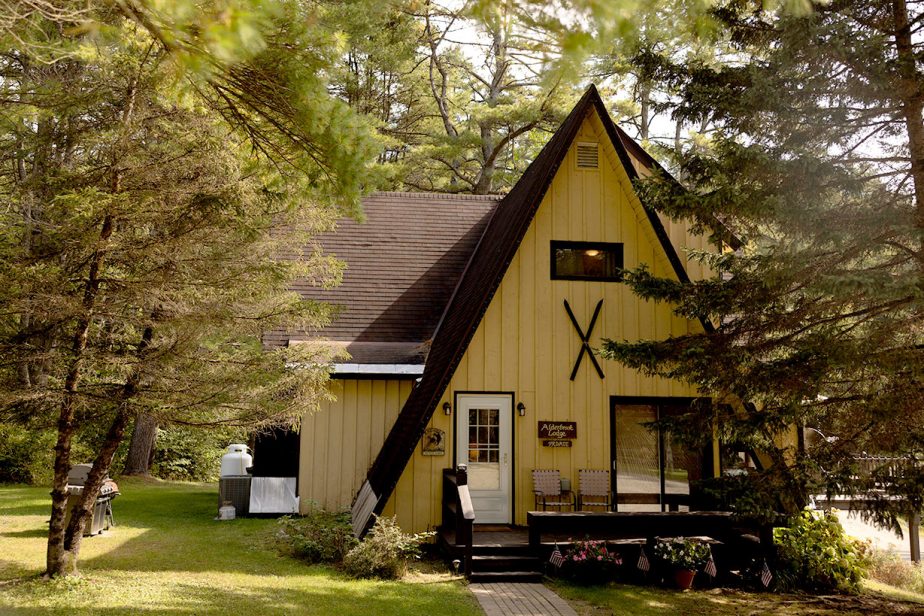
[339, 443]
[524, 344]
[529, 347]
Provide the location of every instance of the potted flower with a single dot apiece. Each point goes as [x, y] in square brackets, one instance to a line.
[590, 562]
[684, 556]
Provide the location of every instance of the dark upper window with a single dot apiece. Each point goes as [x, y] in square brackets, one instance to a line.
[586, 261]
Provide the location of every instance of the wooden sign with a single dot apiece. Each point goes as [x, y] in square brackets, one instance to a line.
[556, 443]
[433, 442]
[557, 430]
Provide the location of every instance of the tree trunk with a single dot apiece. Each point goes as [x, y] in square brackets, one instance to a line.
[73, 535]
[82, 512]
[58, 561]
[142, 445]
[644, 95]
[485, 181]
[912, 106]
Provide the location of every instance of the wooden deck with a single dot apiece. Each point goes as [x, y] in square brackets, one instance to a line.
[487, 536]
[517, 553]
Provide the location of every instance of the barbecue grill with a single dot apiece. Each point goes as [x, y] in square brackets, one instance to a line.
[102, 510]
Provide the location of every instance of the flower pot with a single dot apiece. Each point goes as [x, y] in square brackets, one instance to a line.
[683, 578]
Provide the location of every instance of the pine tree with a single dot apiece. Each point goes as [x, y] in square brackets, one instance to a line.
[158, 161]
[818, 167]
[493, 87]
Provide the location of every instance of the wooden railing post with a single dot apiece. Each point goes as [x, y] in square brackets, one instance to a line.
[914, 535]
[466, 519]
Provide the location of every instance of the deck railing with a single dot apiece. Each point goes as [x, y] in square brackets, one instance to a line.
[886, 468]
[669, 502]
[458, 512]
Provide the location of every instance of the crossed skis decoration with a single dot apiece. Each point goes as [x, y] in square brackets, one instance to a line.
[585, 339]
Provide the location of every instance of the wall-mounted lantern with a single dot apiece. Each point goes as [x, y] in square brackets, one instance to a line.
[521, 409]
[447, 408]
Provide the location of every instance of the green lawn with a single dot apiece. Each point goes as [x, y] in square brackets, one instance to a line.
[169, 556]
[618, 599]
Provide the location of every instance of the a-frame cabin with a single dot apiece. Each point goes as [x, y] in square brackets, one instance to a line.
[466, 318]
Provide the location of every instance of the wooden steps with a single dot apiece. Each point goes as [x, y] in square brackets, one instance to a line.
[501, 555]
[488, 577]
[505, 568]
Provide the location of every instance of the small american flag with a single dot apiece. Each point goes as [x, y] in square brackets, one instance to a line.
[765, 576]
[643, 563]
[557, 559]
[710, 569]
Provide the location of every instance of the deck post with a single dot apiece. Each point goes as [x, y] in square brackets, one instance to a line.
[914, 535]
[466, 517]
[535, 542]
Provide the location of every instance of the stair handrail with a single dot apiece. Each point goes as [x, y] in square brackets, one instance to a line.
[466, 524]
[462, 520]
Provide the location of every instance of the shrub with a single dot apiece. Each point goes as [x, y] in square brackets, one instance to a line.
[192, 454]
[318, 537]
[27, 452]
[22, 454]
[590, 562]
[754, 496]
[682, 553]
[815, 554]
[385, 552]
[891, 569]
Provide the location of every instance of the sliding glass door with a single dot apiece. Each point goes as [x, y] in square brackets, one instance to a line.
[651, 470]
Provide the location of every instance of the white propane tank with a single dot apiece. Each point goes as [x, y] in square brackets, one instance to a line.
[236, 461]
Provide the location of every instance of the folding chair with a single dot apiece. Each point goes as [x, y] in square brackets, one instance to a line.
[594, 489]
[548, 491]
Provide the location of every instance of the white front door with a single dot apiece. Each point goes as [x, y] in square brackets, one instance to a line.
[483, 437]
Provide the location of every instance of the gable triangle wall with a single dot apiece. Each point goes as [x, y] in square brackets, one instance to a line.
[472, 297]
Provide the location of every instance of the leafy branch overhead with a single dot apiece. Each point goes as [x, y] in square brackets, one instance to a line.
[816, 163]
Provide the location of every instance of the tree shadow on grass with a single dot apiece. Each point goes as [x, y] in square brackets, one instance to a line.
[21, 510]
[377, 599]
[652, 601]
[27, 533]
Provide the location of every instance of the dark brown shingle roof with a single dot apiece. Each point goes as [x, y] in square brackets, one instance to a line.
[403, 264]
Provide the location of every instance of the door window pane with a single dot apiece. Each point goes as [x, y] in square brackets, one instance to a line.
[484, 449]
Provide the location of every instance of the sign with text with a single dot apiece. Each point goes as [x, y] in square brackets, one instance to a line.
[558, 430]
[556, 443]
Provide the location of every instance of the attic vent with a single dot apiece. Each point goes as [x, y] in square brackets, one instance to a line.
[587, 156]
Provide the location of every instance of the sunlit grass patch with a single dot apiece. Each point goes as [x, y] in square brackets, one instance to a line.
[168, 555]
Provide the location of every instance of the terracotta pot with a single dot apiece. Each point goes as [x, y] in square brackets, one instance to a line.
[683, 578]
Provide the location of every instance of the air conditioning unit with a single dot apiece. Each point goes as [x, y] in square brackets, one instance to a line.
[235, 489]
